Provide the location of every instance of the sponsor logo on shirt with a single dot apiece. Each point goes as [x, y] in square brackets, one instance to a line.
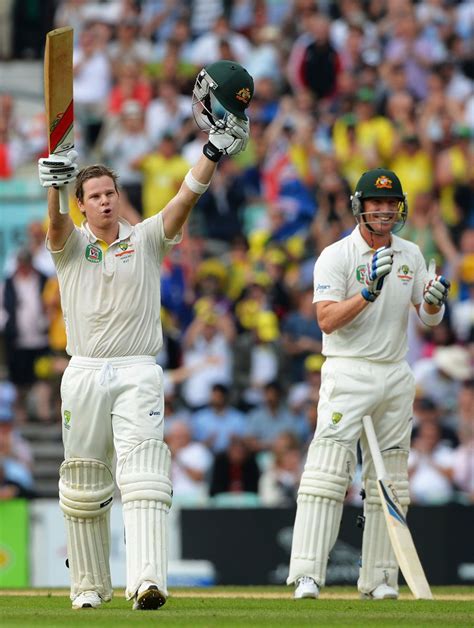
[322, 287]
[405, 273]
[360, 273]
[93, 254]
[154, 413]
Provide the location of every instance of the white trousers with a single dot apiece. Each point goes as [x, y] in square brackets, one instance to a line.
[352, 388]
[110, 404]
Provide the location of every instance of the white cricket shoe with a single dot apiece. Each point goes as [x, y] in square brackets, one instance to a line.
[306, 587]
[148, 597]
[382, 592]
[87, 599]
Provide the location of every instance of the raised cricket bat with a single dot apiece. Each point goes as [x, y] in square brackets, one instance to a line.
[400, 537]
[58, 97]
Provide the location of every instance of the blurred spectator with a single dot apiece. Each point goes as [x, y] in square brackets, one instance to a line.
[12, 148]
[463, 458]
[36, 245]
[208, 335]
[272, 418]
[430, 467]
[257, 359]
[128, 47]
[301, 335]
[305, 392]
[159, 17]
[426, 411]
[130, 86]
[163, 172]
[314, 63]
[91, 68]
[123, 145]
[190, 462]
[278, 484]
[439, 378]
[206, 48]
[26, 334]
[16, 479]
[235, 470]
[167, 113]
[218, 422]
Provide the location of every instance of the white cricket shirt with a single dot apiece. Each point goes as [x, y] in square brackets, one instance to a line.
[111, 299]
[379, 332]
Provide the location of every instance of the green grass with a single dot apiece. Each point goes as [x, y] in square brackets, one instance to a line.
[229, 606]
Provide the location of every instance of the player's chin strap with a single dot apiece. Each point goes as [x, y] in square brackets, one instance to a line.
[379, 565]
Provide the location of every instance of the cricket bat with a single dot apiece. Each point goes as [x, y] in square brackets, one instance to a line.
[400, 536]
[58, 97]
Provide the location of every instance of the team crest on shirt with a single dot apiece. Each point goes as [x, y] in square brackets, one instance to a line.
[93, 254]
[360, 273]
[125, 252]
[336, 417]
[67, 419]
[405, 273]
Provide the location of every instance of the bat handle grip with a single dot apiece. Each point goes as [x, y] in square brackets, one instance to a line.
[64, 199]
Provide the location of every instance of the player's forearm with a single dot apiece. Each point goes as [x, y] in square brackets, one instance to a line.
[178, 209]
[60, 225]
[332, 315]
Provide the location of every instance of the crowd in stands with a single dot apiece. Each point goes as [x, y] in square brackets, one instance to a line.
[340, 87]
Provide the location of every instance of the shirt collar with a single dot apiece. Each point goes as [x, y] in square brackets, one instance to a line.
[125, 230]
[364, 247]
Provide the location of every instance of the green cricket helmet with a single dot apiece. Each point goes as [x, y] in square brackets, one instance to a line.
[379, 183]
[221, 88]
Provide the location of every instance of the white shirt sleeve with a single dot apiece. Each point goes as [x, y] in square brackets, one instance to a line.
[421, 278]
[329, 277]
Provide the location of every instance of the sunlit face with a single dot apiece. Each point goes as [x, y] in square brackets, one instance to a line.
[381, 214]
[101, 202]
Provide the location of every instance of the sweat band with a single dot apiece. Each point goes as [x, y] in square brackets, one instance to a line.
[194, 185]
[431, 319]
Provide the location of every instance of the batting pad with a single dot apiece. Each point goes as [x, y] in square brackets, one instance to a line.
[327, 474]
[144, 481]
[379, 564]
[86, 489]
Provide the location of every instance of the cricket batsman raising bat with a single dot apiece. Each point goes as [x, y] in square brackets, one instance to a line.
[112, 390]
[59, 168]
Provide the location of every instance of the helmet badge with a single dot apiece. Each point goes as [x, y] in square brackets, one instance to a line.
[244, 95]
[383, 182]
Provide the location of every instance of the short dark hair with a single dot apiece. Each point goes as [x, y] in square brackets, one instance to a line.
[93, 172]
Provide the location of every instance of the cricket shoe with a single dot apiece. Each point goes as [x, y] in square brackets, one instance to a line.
[306, 587]
[148, 597]
[87, 599]
[382, 592]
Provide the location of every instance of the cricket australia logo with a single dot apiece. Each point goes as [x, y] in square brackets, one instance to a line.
[93, 254]
[336, 417]
[360, 273]
[67, 420]
[243, 95]
[405, 273]
[383, 182]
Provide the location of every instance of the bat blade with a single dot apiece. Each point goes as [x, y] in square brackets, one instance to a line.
[402, 542]
[58, 95]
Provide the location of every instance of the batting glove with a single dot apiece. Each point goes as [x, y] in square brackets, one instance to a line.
[436, 290]
[227, 137]
[376, 271]
[58, 170]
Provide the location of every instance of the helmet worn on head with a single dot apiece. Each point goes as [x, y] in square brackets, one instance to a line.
[380, 183]
[222, 87]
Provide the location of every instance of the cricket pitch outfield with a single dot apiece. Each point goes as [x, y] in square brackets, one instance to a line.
[243, 606]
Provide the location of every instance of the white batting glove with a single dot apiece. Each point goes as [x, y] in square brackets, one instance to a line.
[376, 270]
[436, 290]
[58, 170]
[227, 137]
